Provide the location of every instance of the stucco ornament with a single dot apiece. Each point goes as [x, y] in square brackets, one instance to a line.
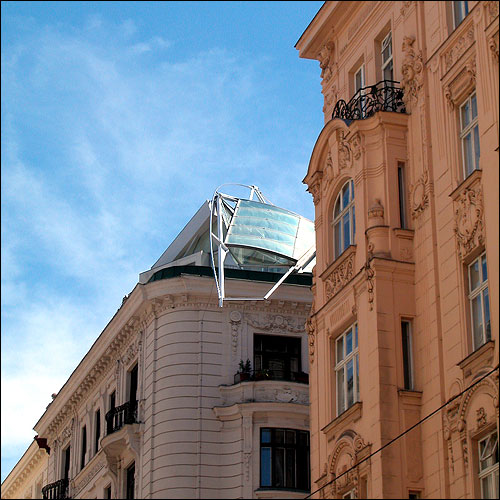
[420, 194]
[459, 48]
[356, 146]
[412, 71]
[314, 189]
[329, 173]
[235, 320]
[493, 45]
[481, 417]
[344, 152]
[330, 97]
[469, 220]
[339, 277]
[370, 274]
[325, 58]
[311, 335]
[276, 323]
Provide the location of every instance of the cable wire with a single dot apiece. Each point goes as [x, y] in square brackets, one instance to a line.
[405, 432]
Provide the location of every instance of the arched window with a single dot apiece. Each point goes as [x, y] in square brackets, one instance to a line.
[343, 219]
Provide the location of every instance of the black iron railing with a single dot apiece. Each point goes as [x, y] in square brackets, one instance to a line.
[301, 377]
[120, 416]
[383, 96]
[56, 491]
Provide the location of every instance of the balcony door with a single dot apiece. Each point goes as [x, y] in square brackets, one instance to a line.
[66, 457]
[133, 384]
[278, 354]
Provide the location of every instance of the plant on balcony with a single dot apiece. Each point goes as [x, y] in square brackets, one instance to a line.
[243, 372]
[264, 374]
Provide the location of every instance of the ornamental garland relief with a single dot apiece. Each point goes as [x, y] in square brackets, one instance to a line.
[462, 44]
[469, 220]
[235, 321]
[412, 71]
[339, 277]
[276, 323]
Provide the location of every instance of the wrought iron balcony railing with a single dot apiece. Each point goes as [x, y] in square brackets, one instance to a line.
[383, 96]
[253, 375]
[120, 416]
[57, 490]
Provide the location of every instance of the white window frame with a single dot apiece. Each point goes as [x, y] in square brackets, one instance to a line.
[489, 472]
[361, 72]
[460, 11]
[473, 293]
[337, 220]
[341, 365]
[465, 132]
[387, 42]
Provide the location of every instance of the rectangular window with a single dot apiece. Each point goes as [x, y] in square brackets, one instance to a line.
[413, 495]
[402, 195]
[479, 302]
[84, 447]
[469, 135]
[284, 459]
[130, 486]
[65, 465]
[133, 384]
[407, 355]
[347, 369]
[97, 430]
[277, 356]
[359, 84]
[460, 11]
[488, 466]
[387, 64]
[112, 406]
[107, 492]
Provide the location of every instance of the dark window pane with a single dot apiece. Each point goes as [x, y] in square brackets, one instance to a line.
[279, 467]
[290, 437]
[279, 436]
[265, 467]
[266, 435]
[290, 468]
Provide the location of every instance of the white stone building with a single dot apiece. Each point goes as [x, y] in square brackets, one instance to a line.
[156, 408]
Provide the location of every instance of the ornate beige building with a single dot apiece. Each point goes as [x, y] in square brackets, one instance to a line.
[405, 322]
[163, 406]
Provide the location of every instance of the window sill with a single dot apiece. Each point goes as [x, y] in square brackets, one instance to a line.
[269, 492]
[352, 414]
[467, 182]
[480, 358]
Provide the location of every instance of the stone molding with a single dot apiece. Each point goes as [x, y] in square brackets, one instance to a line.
[276, 322]
[412, 73]
[82, 480]
[341, 274]
[31, 465]
[459, 46]
[491, 9]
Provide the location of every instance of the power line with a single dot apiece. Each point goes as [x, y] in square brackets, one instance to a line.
[405, 432]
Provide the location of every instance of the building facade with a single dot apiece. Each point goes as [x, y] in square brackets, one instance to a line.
[165, 403]
[404, 177]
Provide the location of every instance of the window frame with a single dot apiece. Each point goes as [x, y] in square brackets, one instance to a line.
[338, 219]
[479, 290]
[488, 472]
[390, 60]
[300, 451]
[466, 131]
[463, 13]
[342, 365]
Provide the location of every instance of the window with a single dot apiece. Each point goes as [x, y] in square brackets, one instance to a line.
[112, 406]
[479, 302]
[84, 447]
[130, 486]
[359, 83]
[107, 492]
[460, 11]
[278, 354]
[132, 379]
[284, 459]
[407, 356]
[66, 454]
[413, 495]
[347, 369]
[343, 219]
[469, 135]
[402, 196]
[97, 430]
[488, 466]
[349, 494]
[387, 64]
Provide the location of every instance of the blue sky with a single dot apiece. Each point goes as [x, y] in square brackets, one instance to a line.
[118, 120]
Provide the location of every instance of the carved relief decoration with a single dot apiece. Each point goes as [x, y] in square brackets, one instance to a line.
[370, 274]
[325, 58]
[481, 417]
[339, 277]
[469, 219]
[491, 8]
[412, 72]
[277, 323]
[315, 191]
[78, 485]
[329, 173]
[330, 97]
[406, 7]
[493, 45]
[420, 194]
[356, 146]
[452, 55]
[311, 336]
[235, 320]
[246, 461]
[344, 152]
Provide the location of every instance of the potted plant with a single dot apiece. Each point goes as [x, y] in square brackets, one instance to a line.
[243, 372]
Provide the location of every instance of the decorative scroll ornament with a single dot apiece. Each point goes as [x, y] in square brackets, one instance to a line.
[315, 191]
[492, 44]
[469, 220]
[370, 273]
[235, 320]
[344, 153]
[339, 277]
[325, 57]
[412, 71]
[420, 194]
[481, 417]
[461, 45]
[491, 9]
[311, 334]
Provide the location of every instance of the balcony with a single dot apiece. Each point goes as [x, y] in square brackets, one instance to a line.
[255, 375]
[55, 491]
[120, 416]
[385, 95]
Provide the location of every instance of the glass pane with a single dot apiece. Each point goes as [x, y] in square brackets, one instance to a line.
[265, 466]
[388, 73]
[347, 231]
[279, 467]
[474, 275]
[350, 383]
[485, 270]
[336, 231]
[340, 391]
[358, 80]
[348, 343]
[476, 147]
[477, 322]
[467, 142]
[279, 436]
[340, 350]
[353, 224]
[357, 377]
[487, 323]
[345, 196]
[336, 211]
[356, 335]
[352, 190]
[290, 468]
[465, 115]
[473, 103]
[290, 437]
[266, 435]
